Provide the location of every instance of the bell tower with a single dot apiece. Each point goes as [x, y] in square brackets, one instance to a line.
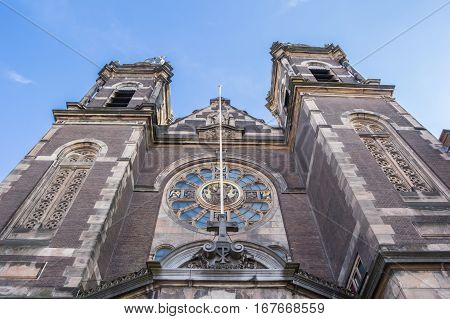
[373, 173]
[61, 207]
[132, 86]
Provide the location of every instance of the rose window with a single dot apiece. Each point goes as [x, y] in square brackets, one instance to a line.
[194, 196]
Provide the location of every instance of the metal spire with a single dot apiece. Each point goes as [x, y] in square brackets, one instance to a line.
[220, 152]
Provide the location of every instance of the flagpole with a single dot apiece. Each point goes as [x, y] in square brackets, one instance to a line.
[220, 151]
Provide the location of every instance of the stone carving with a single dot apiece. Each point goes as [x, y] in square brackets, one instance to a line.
[299, 279]
[417, 182]
[209, 194]
[227, 119]
[211, 130]
[386, 153]
[60, 192]
[104, 285]
[213, 133]
[222, 253]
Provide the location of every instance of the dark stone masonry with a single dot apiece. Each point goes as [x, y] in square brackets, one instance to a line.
[347, 197]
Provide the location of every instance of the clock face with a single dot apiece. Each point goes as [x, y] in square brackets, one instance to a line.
[193, 196]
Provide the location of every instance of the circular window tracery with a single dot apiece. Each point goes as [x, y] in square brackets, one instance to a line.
[193, 196]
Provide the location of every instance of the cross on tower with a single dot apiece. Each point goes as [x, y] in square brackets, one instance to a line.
[222, 227]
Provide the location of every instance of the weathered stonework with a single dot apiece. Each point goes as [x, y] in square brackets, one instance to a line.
[357, 193]
[418, 285]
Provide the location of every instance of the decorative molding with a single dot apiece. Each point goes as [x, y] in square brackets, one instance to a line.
[211, 132]
[307, 63]
[433, 229]
[147, 278]
[390, 159]
[125, 84]
[183, 255]
[48, 204]
[441, 193]
[125, 283]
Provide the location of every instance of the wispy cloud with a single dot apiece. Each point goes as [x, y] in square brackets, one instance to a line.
[293, 3]
[289, 5]
[16, 77]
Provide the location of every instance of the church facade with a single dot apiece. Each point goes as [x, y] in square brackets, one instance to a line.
[348, 197]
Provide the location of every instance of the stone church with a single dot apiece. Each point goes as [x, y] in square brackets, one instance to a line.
[347, 197]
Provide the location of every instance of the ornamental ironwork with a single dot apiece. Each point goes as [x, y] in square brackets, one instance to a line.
[399, 171]
[194, 196]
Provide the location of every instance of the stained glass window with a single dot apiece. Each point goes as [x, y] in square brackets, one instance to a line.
[194, 195]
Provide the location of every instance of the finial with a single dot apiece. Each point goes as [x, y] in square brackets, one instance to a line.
[156, 60]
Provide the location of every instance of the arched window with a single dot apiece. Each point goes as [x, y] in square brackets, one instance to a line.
[121, 97]
[390, 156]
[49, 203]
[123, 94]
[321, 72]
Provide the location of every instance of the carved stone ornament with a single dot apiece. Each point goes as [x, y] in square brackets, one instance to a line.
[389, 157]
[223, 255]
[212, 132]
[227, 119]
[50, 207]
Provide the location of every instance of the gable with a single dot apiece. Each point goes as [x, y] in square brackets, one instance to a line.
[237, 124]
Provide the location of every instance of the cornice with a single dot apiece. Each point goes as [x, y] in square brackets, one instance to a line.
[102, 114]
[140, 68]
[279, 50]
[297, 280]
[300, 85]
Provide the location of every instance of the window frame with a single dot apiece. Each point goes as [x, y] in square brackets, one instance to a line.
[114, 96]
[389, 136]
[14, 230]
[356, 280]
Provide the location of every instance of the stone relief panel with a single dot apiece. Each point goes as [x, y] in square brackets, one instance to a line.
[389, 156]
[49, 203]
[213, 133]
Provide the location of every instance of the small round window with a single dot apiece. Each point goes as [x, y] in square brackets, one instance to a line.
[193, 196]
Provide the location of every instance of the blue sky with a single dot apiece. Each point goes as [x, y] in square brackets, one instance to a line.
[210, 42]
